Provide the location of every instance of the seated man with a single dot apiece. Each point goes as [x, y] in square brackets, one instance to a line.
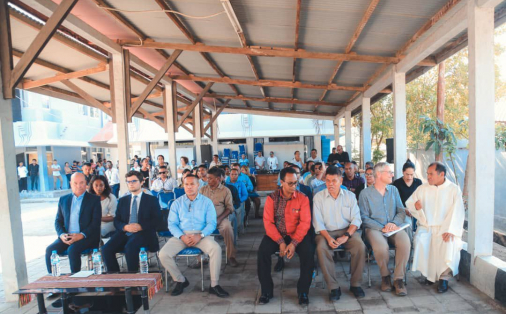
[240, 212]
[287, 218]
[336, 218]
[137, 216]
[202, 174]
[192, 220]
[222, 201]
[382, 211]
[439, 210]
[164, 183]
[77, 223]
[351, 180]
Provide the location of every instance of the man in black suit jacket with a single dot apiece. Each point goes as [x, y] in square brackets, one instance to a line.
[77, 223]
[134, 230]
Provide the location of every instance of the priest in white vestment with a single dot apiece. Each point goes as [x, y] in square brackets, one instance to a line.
[439, 209]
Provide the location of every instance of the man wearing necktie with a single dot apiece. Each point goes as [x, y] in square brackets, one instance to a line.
[136, 219]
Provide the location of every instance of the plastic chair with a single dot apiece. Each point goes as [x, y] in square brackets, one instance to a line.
[189, 252]
[166, 199]
[178, 192]
[155, 193]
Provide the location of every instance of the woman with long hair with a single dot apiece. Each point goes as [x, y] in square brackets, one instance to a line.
[99, 186]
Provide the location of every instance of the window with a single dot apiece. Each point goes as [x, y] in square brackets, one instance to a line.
[284, 139]
[83, 110]
[94, 113]
[232, 141]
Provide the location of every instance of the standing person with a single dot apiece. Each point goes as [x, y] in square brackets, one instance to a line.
[146, 173]
[74, 168]
[216, 162]
[382, 211]
[439, 208]
[99, 186]
[259, 161]
[93, 168]
[272, 162]
[112, 175]
[297, 160]
[68, 172]
[342, 156]
[351, 180]
[100, 170]
[192, 220]
[314, 156]
[243, 161]
[87, 171]
[22, 177]
[77, 224]
[287, 218]
[136, 219]
[33, 170]
[55, 167]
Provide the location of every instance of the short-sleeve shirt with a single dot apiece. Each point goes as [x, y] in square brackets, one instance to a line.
[56, 170]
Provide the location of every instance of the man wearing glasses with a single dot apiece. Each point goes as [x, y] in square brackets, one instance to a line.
[136, 219]
[164, 183]
[382, 212]
[287, 218]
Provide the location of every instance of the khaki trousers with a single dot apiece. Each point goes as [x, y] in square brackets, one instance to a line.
[227, 232]
[354, 245]
[379, 245]
[207, 245]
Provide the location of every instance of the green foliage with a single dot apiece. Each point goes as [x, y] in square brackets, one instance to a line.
[500, 136]
[377, 156]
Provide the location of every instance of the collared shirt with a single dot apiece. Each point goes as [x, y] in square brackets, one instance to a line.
[298, 163]
[168, 185]
[353, 183]
[186, 215]
[335, 214]
[214, 164]
[378, 210]
[75, 211]
[315, 160]
[112, 176]
[241, 188]
[324, 187]
[316, 183]
[138, 201]
[244, 162]
[260, 161]
[221, 198]
[247, 182]
[202, 183]
[272, 162]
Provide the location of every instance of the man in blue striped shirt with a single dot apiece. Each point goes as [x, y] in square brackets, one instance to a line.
[192, 219]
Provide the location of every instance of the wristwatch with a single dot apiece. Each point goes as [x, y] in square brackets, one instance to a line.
[347, 234]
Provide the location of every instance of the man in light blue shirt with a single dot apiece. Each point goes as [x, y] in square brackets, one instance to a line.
[192, 219]
[244, 161]
[243, 178]
[243, 195]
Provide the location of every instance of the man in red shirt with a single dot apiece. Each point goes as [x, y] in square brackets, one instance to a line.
[287, 218]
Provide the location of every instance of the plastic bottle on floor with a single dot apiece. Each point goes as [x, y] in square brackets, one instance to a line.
[143, 261]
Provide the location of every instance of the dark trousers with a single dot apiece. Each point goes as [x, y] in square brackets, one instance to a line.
[74, 252]
[69, 177]
[22, 184]
[115, 190]
[305, 251]
[130, 245]
[35, 183]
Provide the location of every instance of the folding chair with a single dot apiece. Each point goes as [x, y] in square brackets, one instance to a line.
[189, 252]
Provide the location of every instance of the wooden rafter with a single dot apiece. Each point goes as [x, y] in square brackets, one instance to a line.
[296, 46]
[90, 99]
[150, 117]
[188, 129]
[270, 111]
[149, 88]
[215, 116]
[194, 104]
[365, 18]
[6, 51]
[65, 76]
[277, 100]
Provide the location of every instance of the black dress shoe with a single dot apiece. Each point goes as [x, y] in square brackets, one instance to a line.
[358, 292]
[279, 265]
[264, 298]
[218, 291]
[443, 286]
[178, 289]
[57, 304]
[303, 299]
[335, 294]
[428, 282]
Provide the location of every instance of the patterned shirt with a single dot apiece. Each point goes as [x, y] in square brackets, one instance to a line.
[279, 212]
[354, 183]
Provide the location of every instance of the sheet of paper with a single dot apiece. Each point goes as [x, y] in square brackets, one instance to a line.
[401, 227]
[83, 274]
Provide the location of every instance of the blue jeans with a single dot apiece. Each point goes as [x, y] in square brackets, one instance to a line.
[115, 189]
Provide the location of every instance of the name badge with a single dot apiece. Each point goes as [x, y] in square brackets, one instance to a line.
[296, 210]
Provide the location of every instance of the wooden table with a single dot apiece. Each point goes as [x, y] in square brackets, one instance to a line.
[145, 284]
[267, 182]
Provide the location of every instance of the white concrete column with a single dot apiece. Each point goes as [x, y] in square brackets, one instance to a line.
[399, 99]
[198, 133]
[366, 130]
[347, 134]
[43, 174]
[12, 248]
[337, 131]
[120, 115]
[170, 105]
[481, 171]
[214, 143]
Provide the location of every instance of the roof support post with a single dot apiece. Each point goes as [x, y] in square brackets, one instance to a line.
[347, 124]
[119, 102]
[170, 108]
[12, 250]
[481, 171]
[366, 130]
[198, 133]
[399, 99]
[214, 131]
[337, 132]
[6, 50]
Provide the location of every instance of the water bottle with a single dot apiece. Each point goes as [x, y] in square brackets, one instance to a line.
[55, 264]
[97, 262]
[143, 261]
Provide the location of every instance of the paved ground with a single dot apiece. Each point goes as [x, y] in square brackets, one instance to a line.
[242, 283]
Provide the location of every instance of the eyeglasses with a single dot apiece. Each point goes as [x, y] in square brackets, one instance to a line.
[162, 172]
[132, 182]
[368, 174]
[291, 184]
[390, 172]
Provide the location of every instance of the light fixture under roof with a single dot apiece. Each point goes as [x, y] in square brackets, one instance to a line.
[231, 15]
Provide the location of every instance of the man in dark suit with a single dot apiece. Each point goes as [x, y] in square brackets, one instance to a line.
[77, 223]
[136, 219]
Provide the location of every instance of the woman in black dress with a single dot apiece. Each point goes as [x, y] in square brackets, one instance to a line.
[407, 184]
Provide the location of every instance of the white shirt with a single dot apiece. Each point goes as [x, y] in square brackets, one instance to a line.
[56, 170]
[260, 161]
[168, 185]
[335, 214]
[214, 164]
[315, 160]
[109, 206]
[112, 176]
[272, 162]
[298, 163]
[22, 172]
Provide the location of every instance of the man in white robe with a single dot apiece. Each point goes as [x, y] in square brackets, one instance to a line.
[439, 209]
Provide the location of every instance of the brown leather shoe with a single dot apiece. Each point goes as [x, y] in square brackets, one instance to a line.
[233, 262]
[386, 284]
[400, 289]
